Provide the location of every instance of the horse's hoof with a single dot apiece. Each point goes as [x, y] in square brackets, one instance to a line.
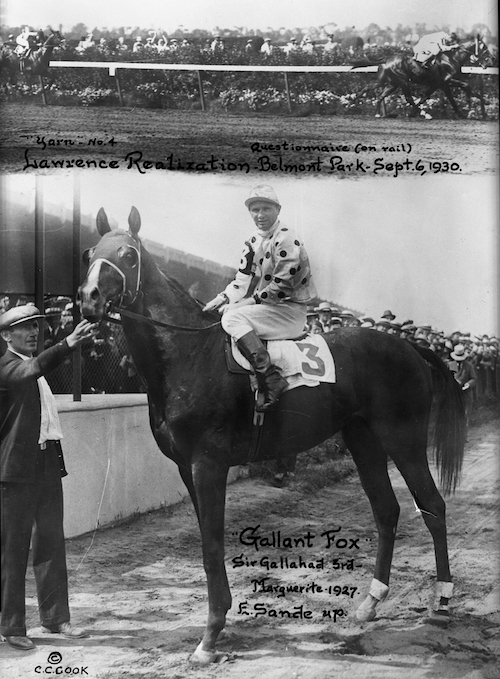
[201, 657]
[377, 115]
[366, 611]
[365, 616]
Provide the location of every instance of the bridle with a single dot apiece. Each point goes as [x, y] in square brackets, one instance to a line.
[478, 52]
[122, 300]
[123, 303]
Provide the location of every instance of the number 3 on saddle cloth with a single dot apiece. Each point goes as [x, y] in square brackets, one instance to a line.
[303, 362]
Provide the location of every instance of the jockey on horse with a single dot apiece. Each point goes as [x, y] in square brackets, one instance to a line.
[269, 295]
[28, 41]
[433, 44]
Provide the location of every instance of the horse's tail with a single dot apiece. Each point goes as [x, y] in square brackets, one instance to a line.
[450, 424]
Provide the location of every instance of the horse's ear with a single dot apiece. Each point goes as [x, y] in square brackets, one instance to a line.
[134, 221]
[102, 222]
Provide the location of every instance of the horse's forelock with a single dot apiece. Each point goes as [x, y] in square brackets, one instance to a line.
[111, 237]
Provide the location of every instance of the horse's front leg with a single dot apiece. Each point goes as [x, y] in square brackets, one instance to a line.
[371, 461]
[410, 101]
[209, 480]
[451, 99]
[420, 102]
[465, 87]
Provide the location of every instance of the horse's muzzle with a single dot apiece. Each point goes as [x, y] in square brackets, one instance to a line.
[91, 303]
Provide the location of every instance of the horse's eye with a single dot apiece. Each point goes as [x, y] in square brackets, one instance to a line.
[87, 256]
[128, 256]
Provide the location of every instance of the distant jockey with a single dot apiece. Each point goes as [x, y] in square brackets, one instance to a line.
[25, 42]
[432, 44]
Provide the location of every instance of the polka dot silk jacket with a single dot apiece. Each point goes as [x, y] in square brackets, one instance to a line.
[274, 268]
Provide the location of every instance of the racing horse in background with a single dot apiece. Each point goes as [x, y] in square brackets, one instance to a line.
[36, 63]
[201, 414]
[401, 71]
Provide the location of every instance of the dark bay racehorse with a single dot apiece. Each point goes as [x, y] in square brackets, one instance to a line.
[400, 72]
[201, 414]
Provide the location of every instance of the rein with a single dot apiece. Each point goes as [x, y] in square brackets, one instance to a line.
[123, 311]
[152, 321]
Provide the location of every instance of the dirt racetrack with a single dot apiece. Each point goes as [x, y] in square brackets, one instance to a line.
[32, 137]
[140, 590]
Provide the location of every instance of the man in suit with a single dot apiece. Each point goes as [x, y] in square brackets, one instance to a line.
[31, 465]
[465, 375]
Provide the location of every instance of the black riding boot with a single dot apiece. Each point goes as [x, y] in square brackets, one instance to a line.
[270, 381]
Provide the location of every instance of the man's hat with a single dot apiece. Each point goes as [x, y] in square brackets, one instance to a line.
[19, 314]
[459, 353]
[388, 314]
[347, 314]
[420, 337]
[323, 306]
[262, 192]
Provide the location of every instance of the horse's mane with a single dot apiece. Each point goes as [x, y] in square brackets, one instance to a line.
[177, 287]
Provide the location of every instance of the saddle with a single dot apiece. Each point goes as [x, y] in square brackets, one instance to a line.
[306, 360]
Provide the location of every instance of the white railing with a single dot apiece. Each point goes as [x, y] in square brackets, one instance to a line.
[115, 66]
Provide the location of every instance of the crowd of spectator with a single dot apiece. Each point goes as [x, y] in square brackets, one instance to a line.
[458, 349]
[154, 45]
[157, 43]
[319, 46]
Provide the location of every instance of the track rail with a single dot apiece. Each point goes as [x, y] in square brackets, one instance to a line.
[115, 66]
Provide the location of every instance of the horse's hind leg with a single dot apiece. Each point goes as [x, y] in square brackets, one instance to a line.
[416, 473]
[371, 461]
[380, 106]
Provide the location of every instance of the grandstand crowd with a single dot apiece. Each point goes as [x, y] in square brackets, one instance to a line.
[482, 353]
[156, 45]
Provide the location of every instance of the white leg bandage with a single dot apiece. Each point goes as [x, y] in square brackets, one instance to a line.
[378, 590]
[444, 589]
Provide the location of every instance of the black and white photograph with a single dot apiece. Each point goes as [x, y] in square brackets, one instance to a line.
[249, 339]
